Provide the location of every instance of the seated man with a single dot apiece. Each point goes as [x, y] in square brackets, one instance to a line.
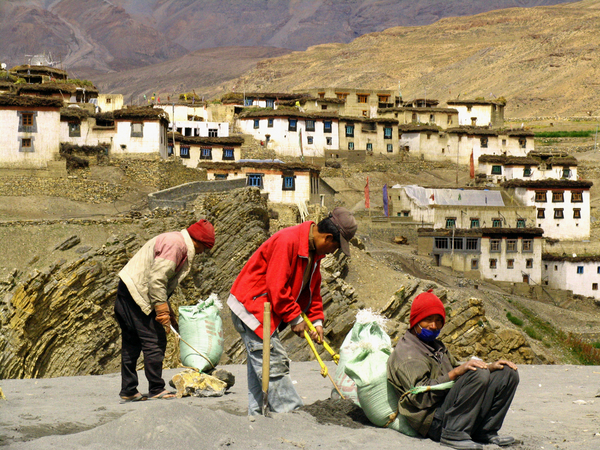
[472, 411]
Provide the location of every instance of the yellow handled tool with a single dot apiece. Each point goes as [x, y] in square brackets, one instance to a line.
[335, 356]
[324, 370]
[266, 362]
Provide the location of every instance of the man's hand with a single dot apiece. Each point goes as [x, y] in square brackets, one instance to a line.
[499, 365]
[163, 315]
[299, 328]
[316, 336]
[472, 364]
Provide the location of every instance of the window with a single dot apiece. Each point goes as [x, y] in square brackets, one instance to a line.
[557, 196]
[598, 269]
[321, 94]
[450, 222]
[184, 151]
[496, 170]
[350, 145]
[522, 142]
[576, 197]
[26, 145]
[362, 98]
[540, 196]
[441, 243]
[390, 148]
[248, 102]
[493, 263]
[205, 153]
[580, 270]
[529, 263]
[329, 141]
[503, 141]
[496, 223]
[327, 127]
[594, 286]
[483, 142]
[511, 245]
[527, 245]
[310, 125]
[108, 101]
[292, 124]
[559, 213]
[495, 245]
[384, 98]
[510, 263]
[566, 173]
[270, 123]
[449, 119]
[387, 132]
[309, 140]
[474, 264]
[137, 129]
[541, 213]
[255, 179]
[341, 95]
[74, 129]
[369, 147]
[256, 124]
[228, 154]
[323, 107]
[520, 223]
[527, 172]
[576, 213]
[475, 222]
[213, 132]
[27, 119]
[220, 176]
[472, 243]
[350, 130]
[169, 149]
[406, 213]
[289, 183]
[458, 243]
[270, 103]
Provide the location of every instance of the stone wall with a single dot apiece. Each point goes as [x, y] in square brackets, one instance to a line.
[178, 197]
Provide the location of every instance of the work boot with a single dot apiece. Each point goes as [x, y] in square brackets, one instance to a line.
[501, 441]
[465, 444]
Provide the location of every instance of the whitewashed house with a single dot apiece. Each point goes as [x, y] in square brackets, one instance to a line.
[290, 132]
[459, 208]
[502, 168]
[439, 117]
[284, 182]
[195, 150]
[562, 206]
[480, 113]
[29, 131]
[500, 254]
[580, 274]
[110, 102]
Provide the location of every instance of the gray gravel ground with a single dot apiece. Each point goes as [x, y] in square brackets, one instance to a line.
[555, 408]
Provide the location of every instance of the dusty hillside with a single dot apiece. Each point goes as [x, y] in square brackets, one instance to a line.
[543, 60]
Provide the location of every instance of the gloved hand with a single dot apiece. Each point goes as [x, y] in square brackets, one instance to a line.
[163, 315]
[173, 318]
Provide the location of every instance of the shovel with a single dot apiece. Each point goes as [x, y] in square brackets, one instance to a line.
[266, 362]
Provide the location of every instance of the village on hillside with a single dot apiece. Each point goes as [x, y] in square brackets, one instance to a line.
[501, 227]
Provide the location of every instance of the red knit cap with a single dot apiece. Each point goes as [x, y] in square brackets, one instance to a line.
[203, 231]
[424, 305]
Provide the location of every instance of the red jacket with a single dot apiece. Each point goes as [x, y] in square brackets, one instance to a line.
[274, 273]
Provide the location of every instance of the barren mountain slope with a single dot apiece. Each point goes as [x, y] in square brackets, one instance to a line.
[544, 60]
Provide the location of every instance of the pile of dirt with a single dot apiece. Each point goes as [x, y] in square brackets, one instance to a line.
[337, 412]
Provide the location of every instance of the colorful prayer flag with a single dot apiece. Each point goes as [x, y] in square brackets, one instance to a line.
[385, 201]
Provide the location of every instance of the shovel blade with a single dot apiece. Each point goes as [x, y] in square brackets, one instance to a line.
[265, 404]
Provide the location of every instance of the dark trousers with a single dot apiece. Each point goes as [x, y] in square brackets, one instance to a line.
[475, 406]
[140, 333]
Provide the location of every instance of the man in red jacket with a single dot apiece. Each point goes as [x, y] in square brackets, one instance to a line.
[285, 271]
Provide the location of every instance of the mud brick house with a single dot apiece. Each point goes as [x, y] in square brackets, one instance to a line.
[562, 206]
[439, 117]
[29, 131]
[283, 182]
[511, 255]
[577, 273]
[68, 93]
[459, 208]
[290, 132]
[479, 112]
[38, 74]
[110, 102]
[356, 102]
[374, 136]
[195, 150]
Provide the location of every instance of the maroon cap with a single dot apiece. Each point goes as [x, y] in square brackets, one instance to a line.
[346, 223]
[204, 232]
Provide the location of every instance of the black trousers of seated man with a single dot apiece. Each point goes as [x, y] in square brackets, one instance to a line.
[475, 406]
[140, 333]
